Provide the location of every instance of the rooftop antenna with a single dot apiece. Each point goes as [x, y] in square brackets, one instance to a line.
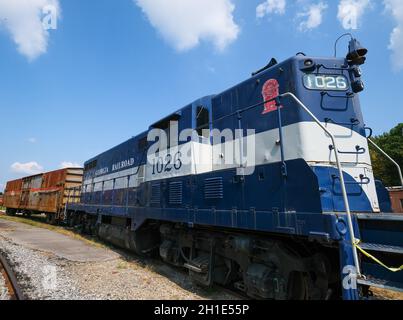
[338, 39]
[272, 62]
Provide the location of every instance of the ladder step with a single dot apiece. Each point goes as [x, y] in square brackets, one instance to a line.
[193, 268]
[382, 284]
[381, 248]
[199, 264]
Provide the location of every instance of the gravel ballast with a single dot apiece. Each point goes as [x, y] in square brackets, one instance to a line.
[44, 276]
[40, 276]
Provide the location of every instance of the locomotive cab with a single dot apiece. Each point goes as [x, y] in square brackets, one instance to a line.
[328, 88]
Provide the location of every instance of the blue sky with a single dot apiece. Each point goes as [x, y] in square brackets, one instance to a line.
[112, 67]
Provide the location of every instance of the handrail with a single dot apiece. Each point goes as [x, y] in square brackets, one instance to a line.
[353, 122]
[359, 150]
[364, 180]
[390, 158]
[342, 182]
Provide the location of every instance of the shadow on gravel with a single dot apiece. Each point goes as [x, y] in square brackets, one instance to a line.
[151, 262]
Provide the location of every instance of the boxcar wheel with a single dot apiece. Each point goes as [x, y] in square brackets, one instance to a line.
[51, 218]
[10, 212]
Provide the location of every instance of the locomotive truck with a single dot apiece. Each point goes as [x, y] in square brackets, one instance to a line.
[287, 207]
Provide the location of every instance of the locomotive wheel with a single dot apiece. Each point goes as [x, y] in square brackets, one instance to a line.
[297, 286]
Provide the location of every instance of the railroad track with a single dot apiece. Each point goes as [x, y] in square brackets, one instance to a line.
[231, 291]
[14, 290]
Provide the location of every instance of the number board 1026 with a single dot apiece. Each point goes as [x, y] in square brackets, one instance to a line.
[326, 82]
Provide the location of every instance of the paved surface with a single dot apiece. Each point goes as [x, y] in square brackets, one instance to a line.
[52, 242]
[90, 272]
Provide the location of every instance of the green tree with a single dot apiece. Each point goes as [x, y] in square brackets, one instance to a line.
[392, 144]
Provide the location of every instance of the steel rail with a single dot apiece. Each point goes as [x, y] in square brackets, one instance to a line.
[14, 289]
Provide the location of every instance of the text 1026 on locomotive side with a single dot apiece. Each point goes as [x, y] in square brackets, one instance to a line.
[266, 187]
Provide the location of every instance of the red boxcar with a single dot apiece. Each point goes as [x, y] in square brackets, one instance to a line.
[396, 197]
[43, 193]
[12, 195]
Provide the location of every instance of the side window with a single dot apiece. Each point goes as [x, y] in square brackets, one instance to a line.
[90, 165]
[142, 144]
[166, 124]
[202, 121]
[166, 128]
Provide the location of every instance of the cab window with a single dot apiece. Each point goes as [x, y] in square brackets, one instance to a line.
[202, 121]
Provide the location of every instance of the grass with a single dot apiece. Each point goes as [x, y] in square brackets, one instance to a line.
[38, 224]
[122, 265]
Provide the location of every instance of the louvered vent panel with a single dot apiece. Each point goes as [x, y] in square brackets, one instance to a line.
[213, 188]
[155, 194]
[175, 193]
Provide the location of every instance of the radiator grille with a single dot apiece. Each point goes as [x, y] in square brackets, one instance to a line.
[155, 194]
[175, 193]
[213, 188]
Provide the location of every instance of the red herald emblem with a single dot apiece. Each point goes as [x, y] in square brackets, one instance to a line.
[270, 91]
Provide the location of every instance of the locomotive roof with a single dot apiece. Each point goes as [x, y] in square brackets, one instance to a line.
[138, 137]
[177, 114]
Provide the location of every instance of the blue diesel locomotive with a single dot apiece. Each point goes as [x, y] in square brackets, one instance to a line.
[300, 217]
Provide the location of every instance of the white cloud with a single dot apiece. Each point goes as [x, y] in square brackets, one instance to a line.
[313, 16]
[67, 164]
[269, 7]
[27, 168]
[350, 12]
[23, 20]
[396, 38]
[184, 23]
[32, 140]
